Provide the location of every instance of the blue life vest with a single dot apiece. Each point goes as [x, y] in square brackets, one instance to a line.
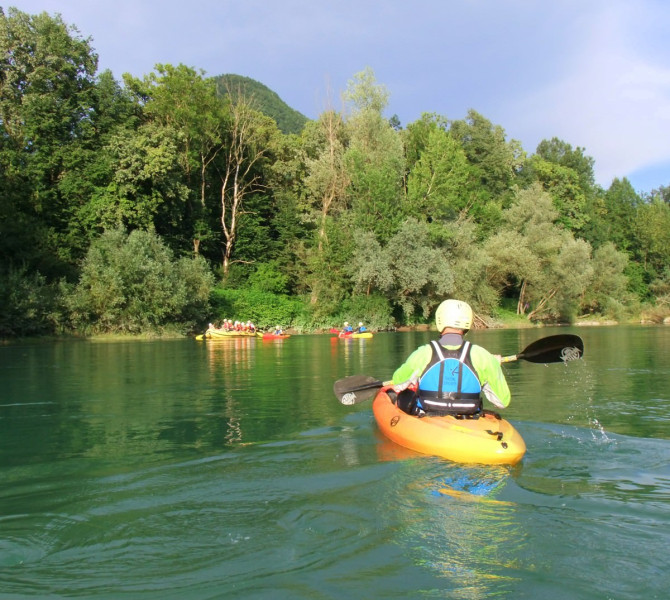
[449, 384]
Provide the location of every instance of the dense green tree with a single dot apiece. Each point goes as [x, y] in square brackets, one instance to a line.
[469, 262]
[181, 99]
[46, 102]
[422, 277]
[132, 283]
[661, 289]
[561, 153]
[608, 292]
[327, 274]
[289, 229]
[370, 267]
[651, 228]
[495, 160]
[662, 193]
[437, 186]
[539, 260]
[90, 166]
[621, 204]
[567, 174]
[374, 159]
[326, 179]
[415, 136]
[28, 304]
[568, 196]
[146, 189]
[571, 277]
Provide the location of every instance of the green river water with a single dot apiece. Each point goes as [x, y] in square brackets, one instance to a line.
[228, 469]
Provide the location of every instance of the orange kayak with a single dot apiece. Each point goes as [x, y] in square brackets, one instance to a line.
[489, 439]
[274, 336]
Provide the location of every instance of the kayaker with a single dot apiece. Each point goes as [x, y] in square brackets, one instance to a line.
[361, 328]
[450, 375]
[347, 328]
[278, 330]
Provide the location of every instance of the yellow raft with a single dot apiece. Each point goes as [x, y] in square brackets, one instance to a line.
[489, 439]
[220, 334]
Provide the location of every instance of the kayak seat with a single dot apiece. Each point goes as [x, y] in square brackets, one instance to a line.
[406, 401]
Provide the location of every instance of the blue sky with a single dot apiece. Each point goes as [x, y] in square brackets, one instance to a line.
[594, 73]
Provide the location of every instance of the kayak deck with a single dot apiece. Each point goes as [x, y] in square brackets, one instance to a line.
[489, 439]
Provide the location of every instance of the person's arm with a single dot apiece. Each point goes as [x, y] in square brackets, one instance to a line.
[413, 366]
[491, 376]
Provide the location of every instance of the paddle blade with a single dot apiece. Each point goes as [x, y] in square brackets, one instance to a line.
[555, 348]
[357, 388]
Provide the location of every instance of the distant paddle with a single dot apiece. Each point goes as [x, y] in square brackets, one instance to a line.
[552, 349]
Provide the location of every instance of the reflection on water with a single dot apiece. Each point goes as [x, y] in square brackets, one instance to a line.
[452, 525]
[230, 364]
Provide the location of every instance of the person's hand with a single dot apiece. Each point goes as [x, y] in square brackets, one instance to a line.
[498, 357]
[401, 387]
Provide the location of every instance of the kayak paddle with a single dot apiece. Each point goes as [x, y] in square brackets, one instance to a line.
[357, 388]
[552, 349]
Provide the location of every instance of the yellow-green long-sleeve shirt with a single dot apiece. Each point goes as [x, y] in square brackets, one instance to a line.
[487, 368]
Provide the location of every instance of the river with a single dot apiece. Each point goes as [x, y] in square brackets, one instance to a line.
[228, 469]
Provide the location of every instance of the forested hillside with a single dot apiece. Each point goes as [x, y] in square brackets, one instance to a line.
[160, 203]
[263, 99]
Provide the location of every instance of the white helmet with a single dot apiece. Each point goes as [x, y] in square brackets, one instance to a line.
[346, 323]
[453, 313]
[360, 323]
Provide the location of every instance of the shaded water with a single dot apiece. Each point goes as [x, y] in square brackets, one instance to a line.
[184, 469]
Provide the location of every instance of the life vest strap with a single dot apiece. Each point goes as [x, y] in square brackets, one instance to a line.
[449, 395]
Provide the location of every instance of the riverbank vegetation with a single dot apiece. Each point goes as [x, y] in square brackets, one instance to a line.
[164, 202]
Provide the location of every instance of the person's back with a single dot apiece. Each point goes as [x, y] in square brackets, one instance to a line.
[449, 375]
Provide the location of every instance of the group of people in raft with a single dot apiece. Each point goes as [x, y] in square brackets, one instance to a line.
[229, 325]
[348, 329]
[450, 375]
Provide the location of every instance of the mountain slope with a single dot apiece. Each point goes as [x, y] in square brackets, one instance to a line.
[264, 99]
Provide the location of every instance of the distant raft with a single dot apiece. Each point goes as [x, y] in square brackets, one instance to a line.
[221, 334]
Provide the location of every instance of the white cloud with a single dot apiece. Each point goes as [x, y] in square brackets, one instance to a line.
[611, 100]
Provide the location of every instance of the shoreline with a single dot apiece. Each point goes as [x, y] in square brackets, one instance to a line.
[403, 328]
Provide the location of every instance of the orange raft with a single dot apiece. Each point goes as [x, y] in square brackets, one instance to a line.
[489, 439]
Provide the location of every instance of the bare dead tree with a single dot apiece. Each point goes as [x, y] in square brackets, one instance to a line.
[238, 178]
